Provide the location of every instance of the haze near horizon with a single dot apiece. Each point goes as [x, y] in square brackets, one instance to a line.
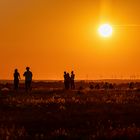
[54, 36]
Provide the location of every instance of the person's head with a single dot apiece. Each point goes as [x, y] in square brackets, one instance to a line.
[16, 70]
[72, 72]
[64, 72]
[27, 68]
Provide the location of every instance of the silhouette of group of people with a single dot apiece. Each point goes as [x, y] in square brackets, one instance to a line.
[69, 80]
[28, 79]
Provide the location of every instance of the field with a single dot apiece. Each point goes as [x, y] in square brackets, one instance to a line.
[91, 111]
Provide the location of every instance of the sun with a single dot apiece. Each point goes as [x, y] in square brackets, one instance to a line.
[105, 30]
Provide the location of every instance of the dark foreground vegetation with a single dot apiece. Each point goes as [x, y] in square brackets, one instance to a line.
[86, 113]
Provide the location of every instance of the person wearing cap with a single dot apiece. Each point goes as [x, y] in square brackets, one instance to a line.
[28, 79]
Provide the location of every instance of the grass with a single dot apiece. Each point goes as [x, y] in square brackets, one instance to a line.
[74, 114]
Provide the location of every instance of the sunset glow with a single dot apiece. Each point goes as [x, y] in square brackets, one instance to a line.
[105, 30]
[53, 36]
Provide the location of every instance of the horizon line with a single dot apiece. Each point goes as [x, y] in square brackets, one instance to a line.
[96, 79]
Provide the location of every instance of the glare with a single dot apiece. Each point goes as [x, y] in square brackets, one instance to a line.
[105, 30]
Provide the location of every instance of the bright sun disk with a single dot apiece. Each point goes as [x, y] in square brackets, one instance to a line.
[105, 30]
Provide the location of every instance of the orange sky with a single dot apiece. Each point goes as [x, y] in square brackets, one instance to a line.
[51, 36]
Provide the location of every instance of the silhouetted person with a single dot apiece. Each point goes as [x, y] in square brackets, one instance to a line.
[65, 79]
[28, 78]
[16, 79]
[72, 80]
[131, 85]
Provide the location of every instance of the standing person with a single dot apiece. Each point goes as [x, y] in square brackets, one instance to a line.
[28, 78]
[65, 79]
[72, 80]
[16, 79]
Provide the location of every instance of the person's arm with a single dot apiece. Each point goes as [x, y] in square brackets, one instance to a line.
[19, 76]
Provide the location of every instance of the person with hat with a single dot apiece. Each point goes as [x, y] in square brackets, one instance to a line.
[28, 79]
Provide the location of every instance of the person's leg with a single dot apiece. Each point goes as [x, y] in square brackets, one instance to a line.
[26, 85]
[73, 84]
[65, 85]
[29, 85]
[68, 84]
[15, 84]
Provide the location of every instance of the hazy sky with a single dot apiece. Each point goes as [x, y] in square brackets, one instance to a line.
[51, 36]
